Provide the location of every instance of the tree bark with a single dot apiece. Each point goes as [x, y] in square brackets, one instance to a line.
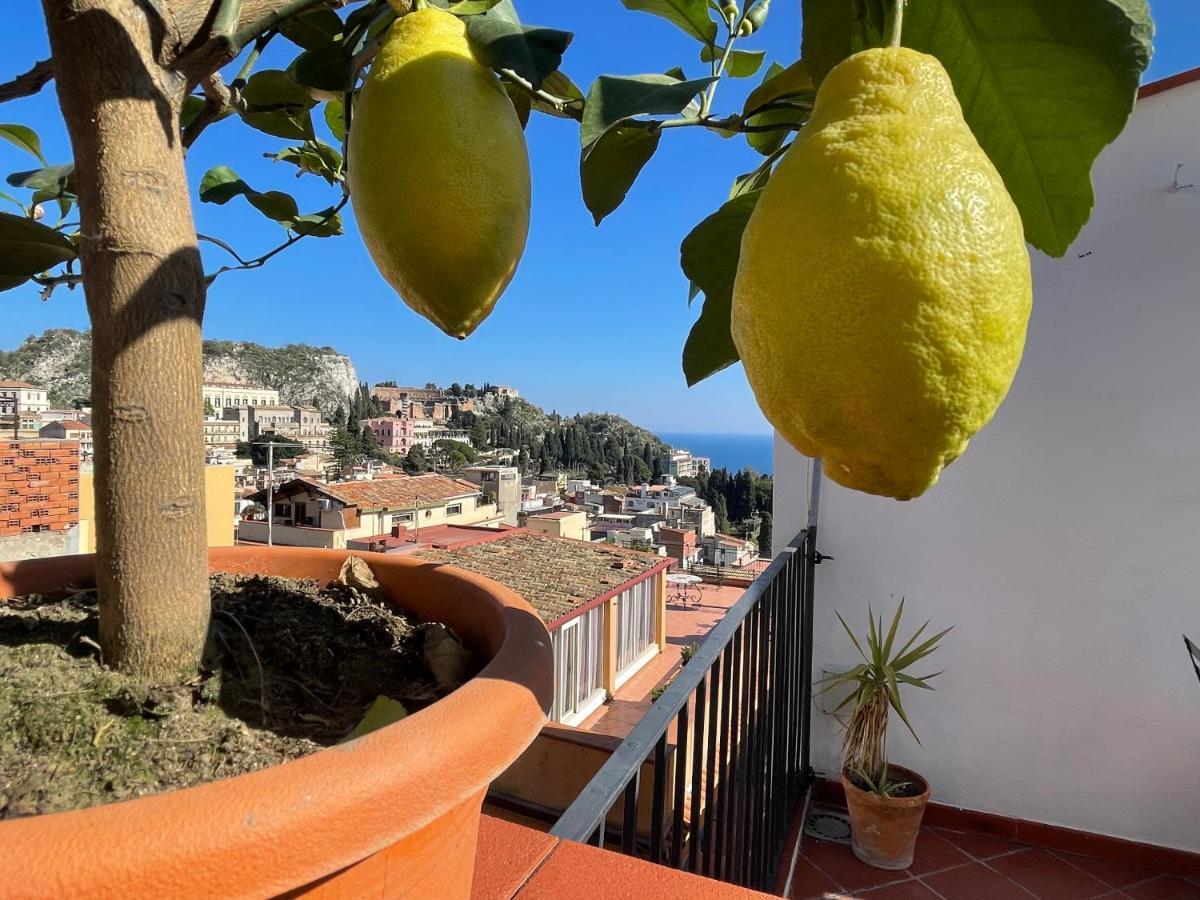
[145, 290]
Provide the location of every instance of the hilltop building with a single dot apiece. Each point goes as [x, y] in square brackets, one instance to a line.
[681, 464]
[222, 395]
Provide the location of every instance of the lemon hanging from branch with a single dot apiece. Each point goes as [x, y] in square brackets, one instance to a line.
[439, 173]
[883, 289]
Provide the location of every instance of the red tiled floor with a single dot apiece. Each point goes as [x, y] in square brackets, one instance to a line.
[979, 846]
[839, 863]
[809, 881]
[905, 890]
[975, 882]
[1115, 874]
[934, 853]
[1045, 875]
[1168, 887]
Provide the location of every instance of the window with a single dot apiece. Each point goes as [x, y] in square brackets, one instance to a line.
[454, 509]
[578, 666]
[401, 519]
[635, 624]
[283, 510]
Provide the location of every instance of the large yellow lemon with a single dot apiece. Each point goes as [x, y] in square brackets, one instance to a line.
[883, 289]
[439, 173]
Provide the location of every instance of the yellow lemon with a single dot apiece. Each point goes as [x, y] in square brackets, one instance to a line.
[883, 289]
[439, 173]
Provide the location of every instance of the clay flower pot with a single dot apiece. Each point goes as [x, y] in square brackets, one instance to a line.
[393, 813]
[883, 830]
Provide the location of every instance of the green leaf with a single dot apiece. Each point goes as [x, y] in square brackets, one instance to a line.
[825, 41]
[319, 225]
[791, 86]
[741, 63]
[325, 67]
[296, 127]
[690, 15]
[891, 635]
[315, 157]
[24, 137]
[28, 248]
[1045, 87]
[335, 118]
[275, 88]
[469, 7]
[13, 200]
[559, 85]
[384, 711]
[313, 28]
[853, 639]
[612, 98]
[920, 652]
[59, 179]
[610, 164]
[221, 184]
[531, 51]
[709, 258]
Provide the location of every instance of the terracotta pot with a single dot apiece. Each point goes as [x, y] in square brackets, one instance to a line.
[883, 830]
[394, 813]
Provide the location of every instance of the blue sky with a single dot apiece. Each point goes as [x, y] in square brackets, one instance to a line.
[595, 318]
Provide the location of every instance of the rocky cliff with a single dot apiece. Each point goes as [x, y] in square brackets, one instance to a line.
[60, 360]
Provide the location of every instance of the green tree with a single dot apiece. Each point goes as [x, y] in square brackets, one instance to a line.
[285, 448]
[144, 81]
[721, 515]
[346, 447]
[764, 536]
[415, 460]
[479, 436]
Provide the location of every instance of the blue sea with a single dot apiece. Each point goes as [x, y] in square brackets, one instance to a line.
[732, 451]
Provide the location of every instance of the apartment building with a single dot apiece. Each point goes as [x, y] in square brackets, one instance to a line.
[560, 523]
[501, 482]
[21, 408]
[221, 395]
[681, 464]
[71, 430]
[311, 513]
[302, 424]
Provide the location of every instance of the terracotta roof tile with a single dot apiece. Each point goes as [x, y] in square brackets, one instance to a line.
[397, 491]
[556, 575]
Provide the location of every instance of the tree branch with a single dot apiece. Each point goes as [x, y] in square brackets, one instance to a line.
[569, 108]
[261, 260]
[218, 98]
[29, 83]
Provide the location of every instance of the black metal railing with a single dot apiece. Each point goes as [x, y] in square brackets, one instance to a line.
[710, 779]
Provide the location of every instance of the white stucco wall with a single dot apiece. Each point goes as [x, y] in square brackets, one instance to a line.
[1065, 545]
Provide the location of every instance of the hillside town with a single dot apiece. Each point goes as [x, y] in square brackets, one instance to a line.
[398, 468]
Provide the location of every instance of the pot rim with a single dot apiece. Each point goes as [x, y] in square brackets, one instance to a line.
[285, 826]
[891, 802]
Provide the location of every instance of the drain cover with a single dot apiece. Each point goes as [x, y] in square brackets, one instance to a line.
[828, 823]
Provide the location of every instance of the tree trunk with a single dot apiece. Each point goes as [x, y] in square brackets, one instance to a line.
[144, 285]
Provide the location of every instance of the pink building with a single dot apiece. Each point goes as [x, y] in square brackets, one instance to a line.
[393, 434]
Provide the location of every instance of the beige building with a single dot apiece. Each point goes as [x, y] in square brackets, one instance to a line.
[219, 508]
[71, 430]
[563, 523]
[301, 424]
[21, 408]
[310, 513]
[223, 396]
[501, 482]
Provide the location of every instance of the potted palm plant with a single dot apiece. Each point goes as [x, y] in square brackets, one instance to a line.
[886, 801]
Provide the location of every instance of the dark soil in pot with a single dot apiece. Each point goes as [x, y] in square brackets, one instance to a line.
[902, 787]
[291, 667]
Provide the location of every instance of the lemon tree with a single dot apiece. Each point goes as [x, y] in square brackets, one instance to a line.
[379, 103]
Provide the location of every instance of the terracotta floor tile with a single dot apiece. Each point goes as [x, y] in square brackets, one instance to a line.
[1111, 872]
[839, 863]
[809, 881]
[1045, 875]
[934, 853]
[975, 882]
[1168, 887]
[979, 846]
[904, 890]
